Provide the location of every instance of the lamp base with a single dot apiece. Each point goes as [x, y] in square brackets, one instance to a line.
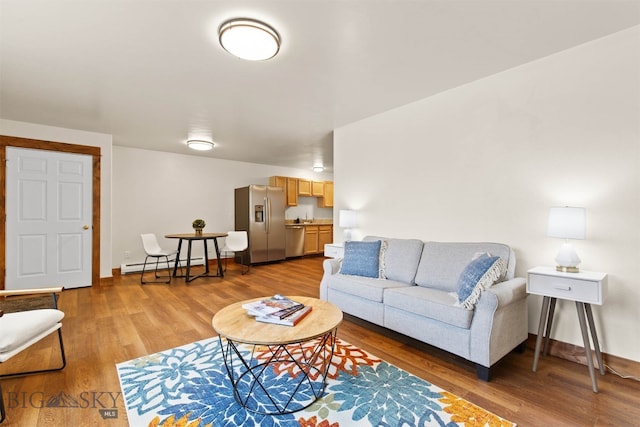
[567, 269]
[567, 260]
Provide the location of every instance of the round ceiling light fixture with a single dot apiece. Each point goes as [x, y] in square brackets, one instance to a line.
[200, 144]
[249, 39]
[318, 168]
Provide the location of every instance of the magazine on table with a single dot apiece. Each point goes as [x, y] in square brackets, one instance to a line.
[290, 320]
[278, 306]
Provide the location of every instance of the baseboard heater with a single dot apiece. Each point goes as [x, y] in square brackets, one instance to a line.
[136, 267]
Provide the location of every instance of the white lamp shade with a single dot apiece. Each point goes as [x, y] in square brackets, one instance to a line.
[347, 219]
[566, 223]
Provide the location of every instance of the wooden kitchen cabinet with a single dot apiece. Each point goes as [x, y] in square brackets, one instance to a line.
[304, 187]
[316, 236]
[291, 192]
[325, 236]
[290, 186]
[294, 187]
[278, 181]
[326, 201]
[317, 188]
[311, 239]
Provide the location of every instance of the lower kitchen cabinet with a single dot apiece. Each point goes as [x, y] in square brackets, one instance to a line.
[325, 236]
[315, 237]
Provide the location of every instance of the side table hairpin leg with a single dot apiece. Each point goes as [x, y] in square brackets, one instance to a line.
[582, 309]
[544, 320]
[586, 329]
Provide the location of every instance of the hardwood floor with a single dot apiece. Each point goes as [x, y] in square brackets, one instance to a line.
[107, 325]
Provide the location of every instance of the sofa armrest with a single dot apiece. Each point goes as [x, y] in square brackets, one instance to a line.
[331, 265]
[510, 290]
[500, 321]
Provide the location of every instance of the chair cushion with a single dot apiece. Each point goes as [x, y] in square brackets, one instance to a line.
[18, 328]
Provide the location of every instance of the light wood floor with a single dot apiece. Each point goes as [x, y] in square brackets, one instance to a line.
[107, 325]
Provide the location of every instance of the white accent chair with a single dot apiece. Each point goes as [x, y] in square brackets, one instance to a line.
[153, 250]
[19, 329]
[236, 242]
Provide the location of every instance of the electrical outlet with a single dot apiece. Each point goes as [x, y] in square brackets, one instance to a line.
[127, 254]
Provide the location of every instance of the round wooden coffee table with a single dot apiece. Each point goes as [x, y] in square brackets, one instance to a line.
[276, 369]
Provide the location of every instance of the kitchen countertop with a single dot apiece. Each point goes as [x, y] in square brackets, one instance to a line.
[302, 222]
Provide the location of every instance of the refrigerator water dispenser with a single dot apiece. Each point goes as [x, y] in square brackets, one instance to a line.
[259, 213]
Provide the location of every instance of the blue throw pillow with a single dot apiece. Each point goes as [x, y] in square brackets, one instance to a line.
[477, 276]
[361, 259]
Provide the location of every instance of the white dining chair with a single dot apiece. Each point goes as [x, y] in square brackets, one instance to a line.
[153, 250]
[21, 328]
[236, 242]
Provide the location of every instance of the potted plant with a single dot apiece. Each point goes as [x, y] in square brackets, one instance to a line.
[198, 224]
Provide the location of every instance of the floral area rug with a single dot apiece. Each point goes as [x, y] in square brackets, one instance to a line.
[189, 386]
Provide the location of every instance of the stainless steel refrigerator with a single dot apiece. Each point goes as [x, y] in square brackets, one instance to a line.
[260, 212]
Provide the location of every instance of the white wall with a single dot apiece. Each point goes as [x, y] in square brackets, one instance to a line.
[71, 136]
[485, 161]
[162, 193]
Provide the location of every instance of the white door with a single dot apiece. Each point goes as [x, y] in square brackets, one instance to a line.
[49, 212]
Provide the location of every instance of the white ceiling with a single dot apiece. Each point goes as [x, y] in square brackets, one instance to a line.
[152, 74]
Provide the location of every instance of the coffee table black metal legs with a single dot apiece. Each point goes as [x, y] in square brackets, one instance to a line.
[278, 379]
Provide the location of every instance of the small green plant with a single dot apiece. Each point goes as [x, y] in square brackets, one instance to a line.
[198, 223]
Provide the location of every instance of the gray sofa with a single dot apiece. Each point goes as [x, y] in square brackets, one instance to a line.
[415, 299]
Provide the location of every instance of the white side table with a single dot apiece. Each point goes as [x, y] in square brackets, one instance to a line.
[585, 288]
[334, 250]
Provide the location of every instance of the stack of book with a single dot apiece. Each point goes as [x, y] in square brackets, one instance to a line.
[277, 309]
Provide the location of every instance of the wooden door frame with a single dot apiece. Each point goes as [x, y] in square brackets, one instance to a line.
[13, 141]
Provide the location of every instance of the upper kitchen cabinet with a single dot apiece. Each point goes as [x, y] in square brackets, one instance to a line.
[326, 201]
[278, 181]
[290, 186]
[317, 188]
[304, 187]
[294, 187]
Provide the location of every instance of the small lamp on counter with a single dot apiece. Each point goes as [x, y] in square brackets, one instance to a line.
[567, 223]
[347, 220]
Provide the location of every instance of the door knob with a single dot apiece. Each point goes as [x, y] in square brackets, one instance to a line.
[85, 227]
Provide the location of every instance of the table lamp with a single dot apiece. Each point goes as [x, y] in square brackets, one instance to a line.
[567, 223]
[347, 220]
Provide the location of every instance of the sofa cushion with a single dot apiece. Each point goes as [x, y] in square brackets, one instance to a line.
[478, 275]
[431, 303]
[364, 287]
[442, 262]
[361, 259]
[401, 258]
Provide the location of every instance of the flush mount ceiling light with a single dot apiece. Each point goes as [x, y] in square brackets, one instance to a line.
[318, 168]
[249, 39]
[200, 144]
